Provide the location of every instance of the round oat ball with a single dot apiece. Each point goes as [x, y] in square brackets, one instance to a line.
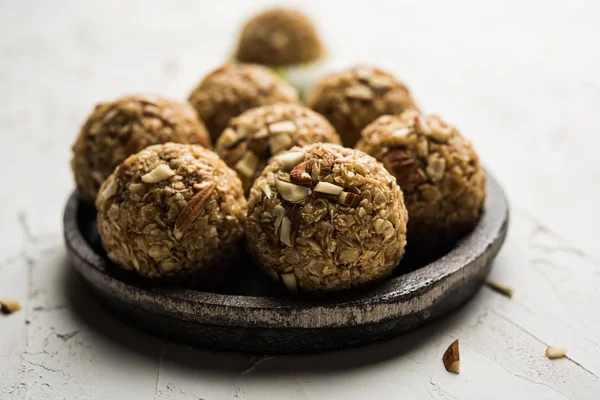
[117, 129]
[172, 210]
[232, 89]
[323, 217]
[279, 37]
[438, 171]
[355, 97]
[260, 133]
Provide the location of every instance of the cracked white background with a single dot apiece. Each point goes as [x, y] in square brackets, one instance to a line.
[520, 78]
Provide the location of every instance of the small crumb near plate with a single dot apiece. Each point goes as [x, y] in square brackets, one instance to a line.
[9, 306]
[553, 352]
[500, 288]
[451, 358]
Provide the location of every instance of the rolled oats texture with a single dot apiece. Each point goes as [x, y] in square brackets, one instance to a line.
[231, 89]
[172, 210]
[267, 131]
[355, 97]
[117, 129]
[330, 216]
[438, 171]
[279, 37]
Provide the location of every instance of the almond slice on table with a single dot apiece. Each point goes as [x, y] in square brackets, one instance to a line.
[501, 288]
[553, 352]
[451, 358]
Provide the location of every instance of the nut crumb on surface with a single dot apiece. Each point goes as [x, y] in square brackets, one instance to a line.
[500, 288]
[553, 352]
[9, 306]
[451, 358]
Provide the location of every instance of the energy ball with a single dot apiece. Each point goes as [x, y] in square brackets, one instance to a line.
[285, 40]
[323, 218]
[260, 133]
[438, 171]
[119, 128]
[279, 37]
[232, 89]
[353, 98]
[172, 210]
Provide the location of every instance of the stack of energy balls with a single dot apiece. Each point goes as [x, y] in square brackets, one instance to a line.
[316, 216]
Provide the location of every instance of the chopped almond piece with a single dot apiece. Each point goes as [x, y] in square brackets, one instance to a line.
[328, 188]
[282, 127]
[451, 358]
[291, 159]
[286, 232]
[553, 352]
[158, 174]
[500, 288]
[282, 141]
[247, 164]
[192, 211]
[289, 280]
[291, 192]
[300, 175]
[9, 306]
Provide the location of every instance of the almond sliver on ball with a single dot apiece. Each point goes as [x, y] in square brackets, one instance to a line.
[291, 192]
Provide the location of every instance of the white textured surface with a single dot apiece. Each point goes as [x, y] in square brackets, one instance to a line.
[520, 78]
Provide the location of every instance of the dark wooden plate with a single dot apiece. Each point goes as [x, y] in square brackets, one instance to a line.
[253, 314]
